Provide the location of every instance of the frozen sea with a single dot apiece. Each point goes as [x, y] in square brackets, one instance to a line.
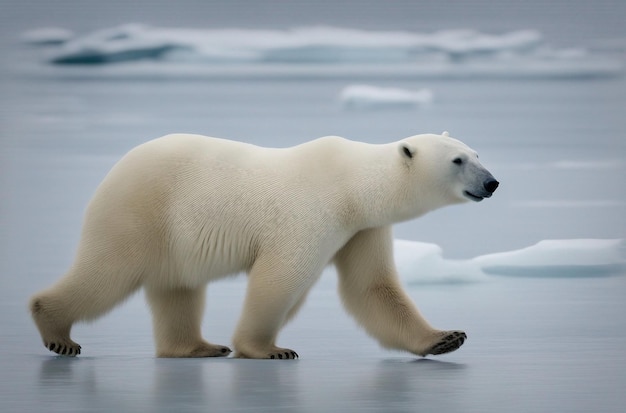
[538, 90]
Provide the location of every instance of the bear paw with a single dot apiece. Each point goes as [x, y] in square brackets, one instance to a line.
[283, 353]
[448, 341]
[210, 350]
[195, 350]
[274, 353]
[63, 347]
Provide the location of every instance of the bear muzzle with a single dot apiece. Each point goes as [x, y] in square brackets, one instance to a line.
[490, 185]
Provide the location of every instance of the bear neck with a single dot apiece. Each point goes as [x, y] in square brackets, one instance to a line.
[380, 192]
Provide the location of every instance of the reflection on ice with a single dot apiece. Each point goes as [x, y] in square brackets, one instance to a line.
[423, 263]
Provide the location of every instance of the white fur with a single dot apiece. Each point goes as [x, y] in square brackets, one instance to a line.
[180, 211]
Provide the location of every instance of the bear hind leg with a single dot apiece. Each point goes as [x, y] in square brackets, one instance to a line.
[54, 330]
[80, 295]
[177, 318]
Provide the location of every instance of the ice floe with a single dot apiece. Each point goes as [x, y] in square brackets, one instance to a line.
[423, 263]
[559, 258]
[328, 51]
[367, 96]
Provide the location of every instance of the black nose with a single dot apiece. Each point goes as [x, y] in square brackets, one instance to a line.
[491, 185]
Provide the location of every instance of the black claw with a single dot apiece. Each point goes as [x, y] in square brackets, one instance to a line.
[280, 356]
[224, 350]
[78, 351]
[294, 355]
[52, 346]
[272, 357]
[286, 354]
[61, 351]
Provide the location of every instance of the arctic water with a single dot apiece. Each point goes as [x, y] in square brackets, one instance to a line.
[535, 275]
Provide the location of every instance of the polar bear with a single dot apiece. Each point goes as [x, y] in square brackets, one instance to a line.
[180, 211]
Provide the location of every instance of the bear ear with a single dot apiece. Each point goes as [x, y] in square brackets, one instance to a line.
[407, 150]
[445, 133]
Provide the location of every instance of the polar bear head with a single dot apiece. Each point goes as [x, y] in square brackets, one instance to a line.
[443, 171]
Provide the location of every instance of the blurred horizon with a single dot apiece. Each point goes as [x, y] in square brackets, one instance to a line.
[567, 22]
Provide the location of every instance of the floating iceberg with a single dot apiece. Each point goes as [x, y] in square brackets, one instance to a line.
[328, 51]
[366, 97]
[309, 44]
[423, 263]
[126, 43]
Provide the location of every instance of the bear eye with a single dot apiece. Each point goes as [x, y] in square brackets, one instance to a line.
[407, 152]
[458, 161]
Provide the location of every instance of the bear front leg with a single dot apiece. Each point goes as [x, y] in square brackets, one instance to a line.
[177, 318]
[372, 293]
[274, 295]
